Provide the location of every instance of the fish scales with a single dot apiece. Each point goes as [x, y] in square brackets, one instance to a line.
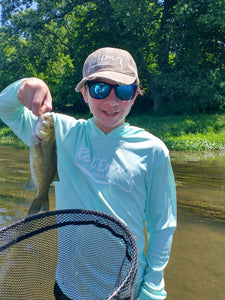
[43, 162]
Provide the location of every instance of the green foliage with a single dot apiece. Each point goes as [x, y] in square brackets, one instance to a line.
[8, 137]
[202, 92]
[180, 125]
[198, 142]
[178, 45]
[193, 133]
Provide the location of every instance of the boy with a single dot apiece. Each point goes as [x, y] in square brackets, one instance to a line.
[104, 163]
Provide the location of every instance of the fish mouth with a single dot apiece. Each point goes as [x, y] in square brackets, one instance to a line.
[38, 137]
[42, 137]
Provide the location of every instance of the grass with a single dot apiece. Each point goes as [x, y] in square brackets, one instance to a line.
[202, 132]
[7, 137]
[193, 133]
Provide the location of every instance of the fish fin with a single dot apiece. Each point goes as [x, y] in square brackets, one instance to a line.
[38, 205]
[30, 185]
[56, 178]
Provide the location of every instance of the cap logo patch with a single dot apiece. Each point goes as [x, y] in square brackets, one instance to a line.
[105, 60]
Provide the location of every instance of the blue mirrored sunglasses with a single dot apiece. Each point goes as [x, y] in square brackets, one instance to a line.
[100, 90]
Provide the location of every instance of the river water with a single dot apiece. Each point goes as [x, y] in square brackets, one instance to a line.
[196, 269]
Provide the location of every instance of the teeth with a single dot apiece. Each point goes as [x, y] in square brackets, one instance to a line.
[110, 113]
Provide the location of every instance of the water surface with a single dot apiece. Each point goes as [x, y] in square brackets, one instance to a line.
[196, 269]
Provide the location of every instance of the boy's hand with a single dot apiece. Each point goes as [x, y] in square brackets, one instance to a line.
[35, 95]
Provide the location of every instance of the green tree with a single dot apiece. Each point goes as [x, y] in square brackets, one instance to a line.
[78, 27]
[196, 79]
[13, 60]
[178, 45]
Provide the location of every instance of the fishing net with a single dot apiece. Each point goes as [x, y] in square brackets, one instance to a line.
[68, 254]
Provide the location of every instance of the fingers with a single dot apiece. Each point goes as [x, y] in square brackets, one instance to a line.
[35, 95]
[46, 104]
[40, 100]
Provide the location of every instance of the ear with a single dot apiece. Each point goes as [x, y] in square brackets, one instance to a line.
[85, 94]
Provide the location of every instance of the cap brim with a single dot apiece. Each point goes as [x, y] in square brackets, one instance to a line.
[116, 77]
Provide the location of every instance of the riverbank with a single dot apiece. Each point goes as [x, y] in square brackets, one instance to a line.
[203, 132]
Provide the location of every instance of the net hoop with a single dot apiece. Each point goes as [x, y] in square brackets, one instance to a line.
[83, 217]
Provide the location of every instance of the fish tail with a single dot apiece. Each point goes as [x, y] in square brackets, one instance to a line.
[38, 205]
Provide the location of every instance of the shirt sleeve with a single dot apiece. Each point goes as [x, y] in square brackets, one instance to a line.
[17, 117]
[160, 221]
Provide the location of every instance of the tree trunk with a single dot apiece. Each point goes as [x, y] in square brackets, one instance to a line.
[164, 48]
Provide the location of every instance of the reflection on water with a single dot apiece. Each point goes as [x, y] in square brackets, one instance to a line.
[200, 181]
[14, 172]
[196, 268]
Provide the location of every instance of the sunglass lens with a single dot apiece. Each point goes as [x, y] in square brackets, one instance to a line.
[126, 92]
[99, 90]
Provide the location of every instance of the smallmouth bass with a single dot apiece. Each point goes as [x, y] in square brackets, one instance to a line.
[43, 162]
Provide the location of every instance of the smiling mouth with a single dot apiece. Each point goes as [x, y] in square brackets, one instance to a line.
[113, 113]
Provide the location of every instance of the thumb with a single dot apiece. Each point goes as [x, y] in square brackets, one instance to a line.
[46, 105]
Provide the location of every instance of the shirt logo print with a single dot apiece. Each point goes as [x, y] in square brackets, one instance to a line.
[103, 172]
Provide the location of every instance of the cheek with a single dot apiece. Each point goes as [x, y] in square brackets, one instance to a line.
[127, 106]
[93, 105]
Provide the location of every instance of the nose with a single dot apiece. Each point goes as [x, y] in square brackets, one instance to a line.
[112, 98]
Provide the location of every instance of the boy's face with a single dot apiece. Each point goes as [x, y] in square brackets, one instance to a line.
[110, 112]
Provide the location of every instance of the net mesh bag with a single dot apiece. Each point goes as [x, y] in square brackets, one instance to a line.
[89, 254]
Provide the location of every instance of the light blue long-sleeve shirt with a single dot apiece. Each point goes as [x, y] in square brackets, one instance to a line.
[126, 174]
